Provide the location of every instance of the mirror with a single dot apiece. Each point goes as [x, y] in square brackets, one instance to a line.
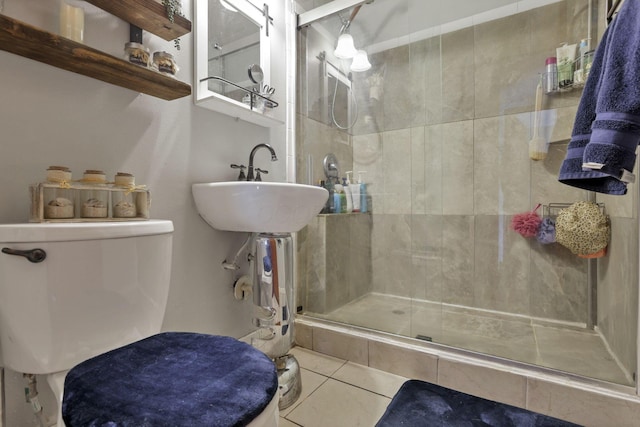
[233, 58]
[234, 45]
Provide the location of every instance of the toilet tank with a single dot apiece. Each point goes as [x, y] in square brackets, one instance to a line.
[102, 285]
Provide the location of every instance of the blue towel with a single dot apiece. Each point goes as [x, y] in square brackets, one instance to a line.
[601, 153]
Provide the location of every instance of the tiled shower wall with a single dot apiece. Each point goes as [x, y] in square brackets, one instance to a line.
[443, 136]
[451, 167]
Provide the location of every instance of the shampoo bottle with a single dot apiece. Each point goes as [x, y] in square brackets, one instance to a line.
[355, 193]
[363, 192]
[337, 198]
[343, 200]
[346, 184]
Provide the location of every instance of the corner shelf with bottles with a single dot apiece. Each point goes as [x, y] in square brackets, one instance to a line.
[568, 75]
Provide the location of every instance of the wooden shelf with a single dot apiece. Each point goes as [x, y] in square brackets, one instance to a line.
[33, 43]
[150, 15]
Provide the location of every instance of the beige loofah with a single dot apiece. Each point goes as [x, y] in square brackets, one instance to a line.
[582, 228]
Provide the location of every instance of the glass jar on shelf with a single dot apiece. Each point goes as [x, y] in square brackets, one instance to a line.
[137, 53]
[124, 199]
[164, 63]
[59, 199]
[94, 202]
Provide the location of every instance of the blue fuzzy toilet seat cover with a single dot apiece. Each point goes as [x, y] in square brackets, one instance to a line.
[171, 379]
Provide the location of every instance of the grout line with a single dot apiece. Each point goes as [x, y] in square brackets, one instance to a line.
[292, 422]
[536, 342]
[617, 361]
[361, 388]
[300, 401]
[368, 368]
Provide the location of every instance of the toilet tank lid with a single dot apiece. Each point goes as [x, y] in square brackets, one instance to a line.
[63, 232]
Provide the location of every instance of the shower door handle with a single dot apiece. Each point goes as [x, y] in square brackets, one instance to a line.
[33, 255]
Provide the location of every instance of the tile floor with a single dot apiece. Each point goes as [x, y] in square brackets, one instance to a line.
[569, 349]
[336, 392]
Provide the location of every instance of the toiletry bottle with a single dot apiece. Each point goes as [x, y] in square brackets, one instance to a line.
[565, 54]
[551, 75]
[346, 184]
[582, 50]
[363, 192]
[355, 193]
[325, 208]
[578, 71]
[343, 200]
[337, 200]
[330, 206]
[587, 61]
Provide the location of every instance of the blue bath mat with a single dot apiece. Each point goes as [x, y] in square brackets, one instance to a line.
[419, 404]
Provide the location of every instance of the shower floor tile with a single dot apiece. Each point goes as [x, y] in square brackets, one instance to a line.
[583, 353]
[580, 352]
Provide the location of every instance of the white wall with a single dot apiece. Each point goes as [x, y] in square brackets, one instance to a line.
[53, 117]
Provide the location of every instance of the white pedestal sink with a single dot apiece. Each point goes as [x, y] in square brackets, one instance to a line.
[274, 210]
[258, 207]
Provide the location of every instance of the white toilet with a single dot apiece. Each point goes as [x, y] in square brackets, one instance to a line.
[71, 292]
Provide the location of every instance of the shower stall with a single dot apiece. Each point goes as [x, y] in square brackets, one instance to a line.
[441, 122]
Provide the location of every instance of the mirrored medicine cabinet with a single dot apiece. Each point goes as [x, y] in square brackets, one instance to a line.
[231, 40]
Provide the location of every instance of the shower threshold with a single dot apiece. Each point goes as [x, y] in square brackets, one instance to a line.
[565, 347]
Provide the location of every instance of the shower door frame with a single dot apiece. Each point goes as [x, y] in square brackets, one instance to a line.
[320, 12]
[306, 18]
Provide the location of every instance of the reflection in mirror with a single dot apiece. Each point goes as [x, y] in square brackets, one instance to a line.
[233, 45]
[256, 74]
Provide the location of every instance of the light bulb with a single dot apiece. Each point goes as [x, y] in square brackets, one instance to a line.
[360, 62]
[345, 48]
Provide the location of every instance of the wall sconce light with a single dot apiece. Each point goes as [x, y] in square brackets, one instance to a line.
[345, 49]
[360, 62]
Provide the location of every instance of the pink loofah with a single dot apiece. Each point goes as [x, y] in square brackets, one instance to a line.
[527, 224]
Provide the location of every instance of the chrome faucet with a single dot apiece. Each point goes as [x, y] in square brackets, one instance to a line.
[250, 175]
